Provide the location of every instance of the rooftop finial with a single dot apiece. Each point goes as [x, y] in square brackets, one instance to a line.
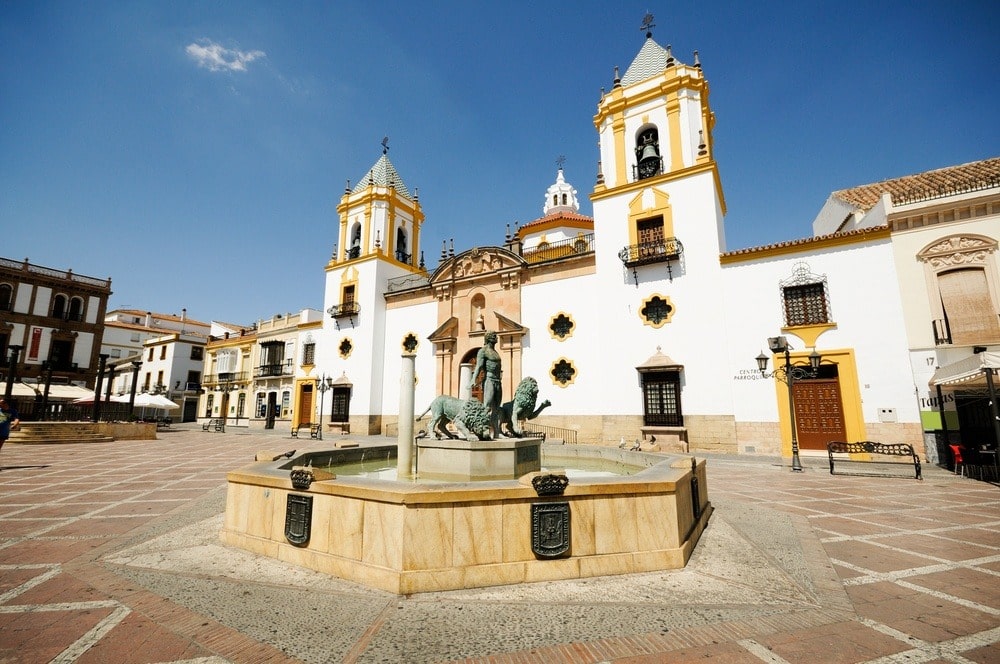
[385, 145]
[560, 161]
[648, 25]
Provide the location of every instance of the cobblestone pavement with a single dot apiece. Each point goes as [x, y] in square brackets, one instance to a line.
[109, 553]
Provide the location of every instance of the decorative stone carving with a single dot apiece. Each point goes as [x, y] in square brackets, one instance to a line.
[298, 519]
[551, 484]
[550, 529]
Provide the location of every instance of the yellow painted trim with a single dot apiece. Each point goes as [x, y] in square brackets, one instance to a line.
[618, 127]
[294, 416]
[576, 372]
[709, 167]
[663, 322]
[804, 245]
[572, 326]
[674, 129]
[661, 208]
[850, 394]
[809, 333]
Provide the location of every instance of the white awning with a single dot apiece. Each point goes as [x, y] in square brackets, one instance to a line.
[970, 371]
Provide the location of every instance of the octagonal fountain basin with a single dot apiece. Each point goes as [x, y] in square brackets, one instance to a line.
[411, 536]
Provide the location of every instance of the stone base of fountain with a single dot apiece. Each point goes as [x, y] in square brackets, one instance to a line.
[460, 460]
[407, 537]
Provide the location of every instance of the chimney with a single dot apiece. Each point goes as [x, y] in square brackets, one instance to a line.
[149, 319]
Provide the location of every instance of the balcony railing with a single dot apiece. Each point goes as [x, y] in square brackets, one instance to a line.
[550, 251]
[280, 369]
[403, 257]
[645, 253]
[226, 377]
[343, 310]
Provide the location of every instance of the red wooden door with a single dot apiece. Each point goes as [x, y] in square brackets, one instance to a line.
[819, 413]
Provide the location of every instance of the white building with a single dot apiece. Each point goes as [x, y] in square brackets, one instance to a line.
[637, 323]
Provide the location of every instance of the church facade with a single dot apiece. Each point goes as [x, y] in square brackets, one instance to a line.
[637, 323]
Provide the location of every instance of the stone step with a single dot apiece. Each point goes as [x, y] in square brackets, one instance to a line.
[46, 440]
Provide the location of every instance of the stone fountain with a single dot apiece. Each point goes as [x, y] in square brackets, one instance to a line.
[491, 518]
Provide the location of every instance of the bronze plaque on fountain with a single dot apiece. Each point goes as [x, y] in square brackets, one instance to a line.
[550, 529]
[298, 519]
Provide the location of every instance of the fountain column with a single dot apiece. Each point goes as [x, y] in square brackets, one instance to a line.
[465, 381]
[404, 444]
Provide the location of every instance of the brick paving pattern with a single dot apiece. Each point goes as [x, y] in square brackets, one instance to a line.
[107, 555]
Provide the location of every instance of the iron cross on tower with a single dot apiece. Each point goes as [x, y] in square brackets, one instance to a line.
[560, 160]
[648, 25]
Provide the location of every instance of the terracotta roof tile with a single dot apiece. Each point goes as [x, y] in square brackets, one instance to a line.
[948, 181]
[555, 216]
[801, 242]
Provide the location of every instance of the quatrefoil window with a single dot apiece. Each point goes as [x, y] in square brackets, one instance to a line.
[563, 372]
[561, 327]
[656, 310]
[410, 343]
[345, 348]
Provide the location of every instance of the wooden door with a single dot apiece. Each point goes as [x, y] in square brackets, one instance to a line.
[819, 413]
[305, 413]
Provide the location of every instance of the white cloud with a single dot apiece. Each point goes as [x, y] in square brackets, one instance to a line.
[215, 57]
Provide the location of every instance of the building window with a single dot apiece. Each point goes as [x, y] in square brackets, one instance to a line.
[969, 314]
[661, 399]
[159, 379]
[804, 297]
[309, 353]
[6, 297]
[59, 306]
[76, 309]
[656, 311]
[410, 343]
[209, 402]
[150, 357]
[163, 352]
[286, 400]
[134, 336]
[241, 404]
[561, 327]
[145, 383]
[197, 353]
[805, 304]
[345, 348]
[563, 372]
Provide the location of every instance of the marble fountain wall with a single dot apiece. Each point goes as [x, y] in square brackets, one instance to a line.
[405, 537]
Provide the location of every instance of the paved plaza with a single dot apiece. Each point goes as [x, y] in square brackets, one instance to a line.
[109, 552]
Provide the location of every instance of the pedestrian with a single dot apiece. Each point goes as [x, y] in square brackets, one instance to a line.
[8, 419]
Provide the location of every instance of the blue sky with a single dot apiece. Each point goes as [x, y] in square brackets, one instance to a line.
[195, 152]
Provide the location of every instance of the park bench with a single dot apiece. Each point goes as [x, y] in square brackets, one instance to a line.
[163, 422]
[312, 426]
[216, 424]
[880, 456]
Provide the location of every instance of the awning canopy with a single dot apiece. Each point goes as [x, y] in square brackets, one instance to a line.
[968, 372]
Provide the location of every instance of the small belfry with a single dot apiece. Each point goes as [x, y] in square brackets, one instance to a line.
[656, 121]
[380, 218]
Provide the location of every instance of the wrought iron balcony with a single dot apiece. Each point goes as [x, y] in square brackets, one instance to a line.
[280, 369]
[344, 310]
[225, 377]
[403, 257]
[645, 253]
[353, 252]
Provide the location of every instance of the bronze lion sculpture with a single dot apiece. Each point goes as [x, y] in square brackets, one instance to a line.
[469, 416]
[521, 407]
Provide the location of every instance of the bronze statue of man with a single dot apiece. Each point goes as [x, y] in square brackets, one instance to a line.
[488, 363]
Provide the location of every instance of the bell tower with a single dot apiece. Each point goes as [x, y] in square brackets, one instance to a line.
[378, 244]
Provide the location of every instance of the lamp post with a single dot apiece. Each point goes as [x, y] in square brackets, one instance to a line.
[47, 367]
[226, 388]
[11, 371]
[95, 415]
[135, 381]
[325, 383]
[788, 374]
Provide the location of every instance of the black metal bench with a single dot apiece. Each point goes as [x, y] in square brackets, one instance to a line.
[840, 452]
[216, 424]
[312, 426]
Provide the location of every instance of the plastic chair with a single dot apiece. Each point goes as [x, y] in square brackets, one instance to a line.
[956, 453]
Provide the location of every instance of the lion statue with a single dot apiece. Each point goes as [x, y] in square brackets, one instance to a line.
[469, 416]
[522, 407]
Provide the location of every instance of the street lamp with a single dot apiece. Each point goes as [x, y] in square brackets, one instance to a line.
[788, 374]
[95, 415]
[325, 383]
[47, 368]
[15, 350]
[226, 388]
[135, 381]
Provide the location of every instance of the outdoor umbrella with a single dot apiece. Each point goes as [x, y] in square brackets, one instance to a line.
[147, 400]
